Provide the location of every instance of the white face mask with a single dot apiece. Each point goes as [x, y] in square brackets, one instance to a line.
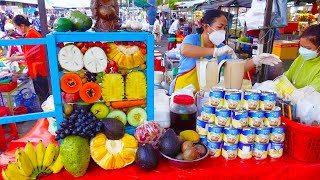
[308, 54]
[217, 36]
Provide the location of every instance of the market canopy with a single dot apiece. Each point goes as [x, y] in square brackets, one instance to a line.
[188, 4]
[23, 1]
[70, 3]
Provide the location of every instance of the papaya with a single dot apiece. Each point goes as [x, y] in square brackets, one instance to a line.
[70, 83]
[90, 92]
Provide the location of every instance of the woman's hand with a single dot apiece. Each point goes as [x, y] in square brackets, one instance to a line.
[267, 59]
[11, 59]
[224, 50]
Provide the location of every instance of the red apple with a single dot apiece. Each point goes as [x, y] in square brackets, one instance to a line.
[70, 97]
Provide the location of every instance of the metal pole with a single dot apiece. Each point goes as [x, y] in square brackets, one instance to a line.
[43, 17]
[263, 74]
[44, 31]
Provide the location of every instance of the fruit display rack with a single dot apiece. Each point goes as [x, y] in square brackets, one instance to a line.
[117, 47]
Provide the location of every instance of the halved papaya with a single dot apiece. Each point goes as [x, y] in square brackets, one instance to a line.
[70, 83]
[90, 92]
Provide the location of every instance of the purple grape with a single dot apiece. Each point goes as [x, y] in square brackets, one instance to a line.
[88, 73]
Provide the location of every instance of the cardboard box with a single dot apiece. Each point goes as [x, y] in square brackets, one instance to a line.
[286, 50]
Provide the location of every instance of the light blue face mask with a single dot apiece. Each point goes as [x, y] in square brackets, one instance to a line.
[308, 54]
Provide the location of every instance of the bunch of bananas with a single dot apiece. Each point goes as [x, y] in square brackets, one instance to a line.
[33, 163]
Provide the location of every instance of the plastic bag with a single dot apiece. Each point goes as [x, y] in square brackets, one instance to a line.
[48, 104]
[255, 15]
[28, 98]
[265, 86]
[279, 16]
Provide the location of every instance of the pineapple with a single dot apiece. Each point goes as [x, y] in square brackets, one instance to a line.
[136, 86]
[112, 87]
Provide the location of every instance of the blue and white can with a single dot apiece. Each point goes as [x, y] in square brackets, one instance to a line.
[260, 151]
[232, 99]
[275, 149]
[229, 151]
[245, 150]
[277, 134]
[202, 127]
[203, 140]
[251, 99]
[215, 133]
[239, 118]
[208, 113]
[222, 117]
[214, 149]
[273, 117]
[247, 135]
[256, 118]
[262, 135]
[231, 135]
[216, 97]
[267, 100]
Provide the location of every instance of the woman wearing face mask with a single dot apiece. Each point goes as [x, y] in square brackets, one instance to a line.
[305, 70]
[34, 55]
[207, 43]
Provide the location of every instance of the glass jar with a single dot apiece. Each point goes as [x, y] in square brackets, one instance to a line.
[183, 113]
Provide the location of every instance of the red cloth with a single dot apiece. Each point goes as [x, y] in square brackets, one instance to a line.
[35, 56]
[284, 168]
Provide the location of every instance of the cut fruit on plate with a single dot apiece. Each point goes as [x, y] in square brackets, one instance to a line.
[70, 83]
[90, 92]
[95, 60]
[136, 116]
[119, 115]
[70, 58]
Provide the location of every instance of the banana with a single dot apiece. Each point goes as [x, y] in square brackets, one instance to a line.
[40, 150]
[12, 173]
[57, 165]
[57, 153]
[31, 154]
[24, 163]
[49, 155]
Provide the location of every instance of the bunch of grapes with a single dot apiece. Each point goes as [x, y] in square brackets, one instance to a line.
[91, 77]
[80, 123]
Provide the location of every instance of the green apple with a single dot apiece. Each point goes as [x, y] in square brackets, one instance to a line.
[100, 110]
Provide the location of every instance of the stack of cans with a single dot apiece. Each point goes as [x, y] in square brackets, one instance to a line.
[241, 127]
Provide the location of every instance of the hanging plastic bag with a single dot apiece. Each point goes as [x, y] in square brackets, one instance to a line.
[279, 16]
[48, 104]
[255, 15]
[27, 98]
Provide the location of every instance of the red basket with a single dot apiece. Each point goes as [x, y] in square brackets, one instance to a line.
[302, 142]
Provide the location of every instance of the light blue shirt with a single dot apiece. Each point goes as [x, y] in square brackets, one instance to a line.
[186, 63]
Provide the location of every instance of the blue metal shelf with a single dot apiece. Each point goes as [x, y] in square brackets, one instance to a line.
[52, 39]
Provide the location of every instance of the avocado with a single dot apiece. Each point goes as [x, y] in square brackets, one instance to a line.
[62, 25]
[80, 21]
[75, 155]
[169, 144]
[113, 128]
[147, 157]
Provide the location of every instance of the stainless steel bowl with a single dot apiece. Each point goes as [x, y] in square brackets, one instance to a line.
[185, 163]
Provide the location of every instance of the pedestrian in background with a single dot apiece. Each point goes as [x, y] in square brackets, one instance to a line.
[36, 22]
